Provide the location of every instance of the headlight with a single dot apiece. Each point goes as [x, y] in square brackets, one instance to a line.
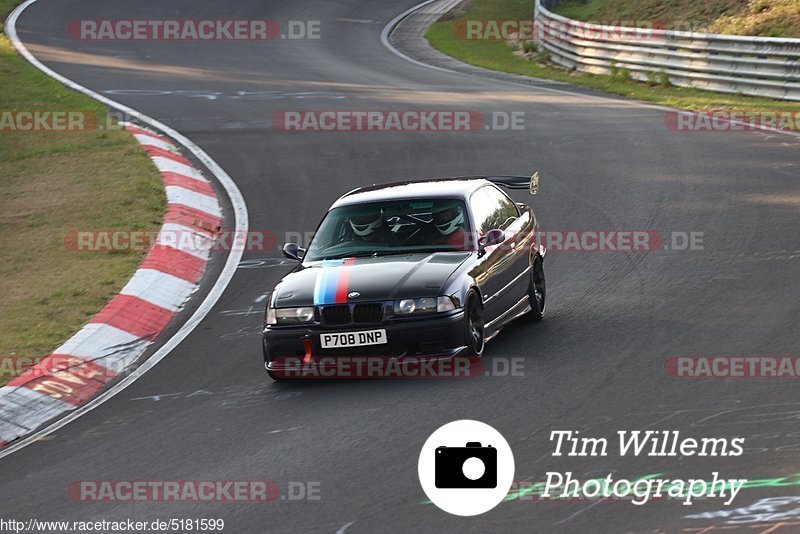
[445, 304]
[423, 305]
[289, 315]
[270, 317]
[426, 305]
[405, 306]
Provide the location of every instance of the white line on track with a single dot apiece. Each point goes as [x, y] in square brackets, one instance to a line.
[229, 269]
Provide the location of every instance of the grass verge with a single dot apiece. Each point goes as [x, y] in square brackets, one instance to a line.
[765, 18]
[51, 183]
[498, 55]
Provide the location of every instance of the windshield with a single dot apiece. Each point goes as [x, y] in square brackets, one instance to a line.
[400, 226]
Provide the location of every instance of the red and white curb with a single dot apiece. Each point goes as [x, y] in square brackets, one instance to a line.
[121, 332]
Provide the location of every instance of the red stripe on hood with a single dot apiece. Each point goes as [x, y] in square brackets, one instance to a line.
[342, 288]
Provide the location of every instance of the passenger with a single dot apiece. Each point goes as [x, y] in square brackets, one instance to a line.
[370, 226]
[449, 219]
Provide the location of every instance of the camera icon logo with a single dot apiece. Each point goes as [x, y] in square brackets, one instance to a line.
[466, 468]
[472, 466]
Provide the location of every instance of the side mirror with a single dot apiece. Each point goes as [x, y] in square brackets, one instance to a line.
[534, 183]
[293, 251]
[492, 237]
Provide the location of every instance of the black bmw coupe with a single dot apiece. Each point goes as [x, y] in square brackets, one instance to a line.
[409, 270]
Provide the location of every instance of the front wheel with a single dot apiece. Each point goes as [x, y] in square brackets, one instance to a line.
[537, 289]
[275, 377]
[474, 325]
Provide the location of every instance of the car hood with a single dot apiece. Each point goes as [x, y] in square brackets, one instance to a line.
[379, 278]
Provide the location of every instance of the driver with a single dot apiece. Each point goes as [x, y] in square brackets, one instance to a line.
[369, 225]
[449, 220]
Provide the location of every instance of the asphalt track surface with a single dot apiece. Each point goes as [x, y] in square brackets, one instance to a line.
[595, 365]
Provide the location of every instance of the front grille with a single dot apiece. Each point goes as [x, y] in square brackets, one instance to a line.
[367, 313]
[336, 314]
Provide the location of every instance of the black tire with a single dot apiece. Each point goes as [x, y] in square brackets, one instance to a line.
[272, 375]
[276, 378]
[473, 325]
[538, 289]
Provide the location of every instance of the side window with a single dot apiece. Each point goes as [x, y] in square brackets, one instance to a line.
[492, 210]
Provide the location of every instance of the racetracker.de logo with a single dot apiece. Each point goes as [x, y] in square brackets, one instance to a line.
[384, 367]
[173, 236]
[395, 121]
[731, 121]
[52, 121]
[600, 240]
[733, 367]
[192, 30]
[545, 30]
[192, 491]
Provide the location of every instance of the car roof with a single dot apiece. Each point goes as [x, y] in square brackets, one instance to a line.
[435, 188]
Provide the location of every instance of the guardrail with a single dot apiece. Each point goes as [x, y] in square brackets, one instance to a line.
[759, 66]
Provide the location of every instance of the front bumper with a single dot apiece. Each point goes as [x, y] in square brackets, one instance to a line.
[408, 340]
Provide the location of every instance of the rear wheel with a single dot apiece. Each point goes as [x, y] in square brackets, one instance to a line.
[474, 325]
[537, 290]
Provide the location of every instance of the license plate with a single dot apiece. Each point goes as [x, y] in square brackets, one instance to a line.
[353, 339]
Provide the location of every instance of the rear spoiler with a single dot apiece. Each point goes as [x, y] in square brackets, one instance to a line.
[531, 183]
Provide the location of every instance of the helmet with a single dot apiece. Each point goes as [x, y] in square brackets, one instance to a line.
[367, 221]
[448, 216]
